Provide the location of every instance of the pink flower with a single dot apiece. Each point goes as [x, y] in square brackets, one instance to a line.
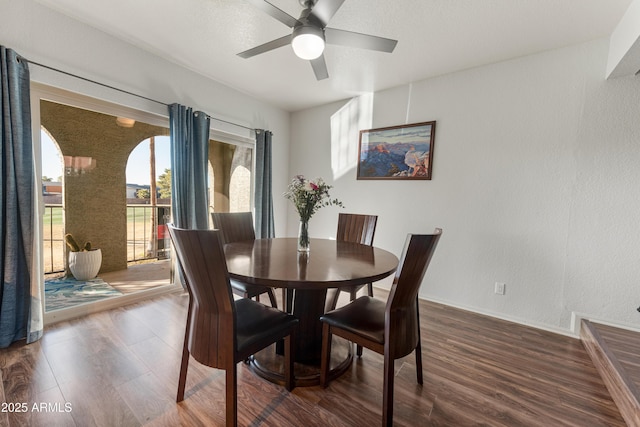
[309, 196]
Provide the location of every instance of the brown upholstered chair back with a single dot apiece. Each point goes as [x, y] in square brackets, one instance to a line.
[212, 338]
[356, 228]
[235, 226]
[402, 328]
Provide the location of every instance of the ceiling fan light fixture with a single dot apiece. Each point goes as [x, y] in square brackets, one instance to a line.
[308, 42]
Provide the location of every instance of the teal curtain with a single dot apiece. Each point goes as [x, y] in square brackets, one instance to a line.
[17, 205]
[263, 193]
[189, 158]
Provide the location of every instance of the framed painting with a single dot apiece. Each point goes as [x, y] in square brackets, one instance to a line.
[397, 152]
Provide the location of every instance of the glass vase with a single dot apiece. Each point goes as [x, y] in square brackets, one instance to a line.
[303, 236]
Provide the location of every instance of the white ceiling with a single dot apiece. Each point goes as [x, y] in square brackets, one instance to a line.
[435, 37]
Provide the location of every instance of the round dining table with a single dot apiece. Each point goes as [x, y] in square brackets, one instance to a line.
[306, 276]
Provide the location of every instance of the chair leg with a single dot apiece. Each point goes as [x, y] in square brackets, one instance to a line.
[231, 386]
[184, 364]
[289, 376]
[287, 296]
[387, 394]
[418, 351]
[418, 348]
[325, 355]
[272, 298]
[183, 370]
[334, 300]
[353, 296]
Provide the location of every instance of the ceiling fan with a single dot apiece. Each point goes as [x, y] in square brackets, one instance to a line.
[310, 33]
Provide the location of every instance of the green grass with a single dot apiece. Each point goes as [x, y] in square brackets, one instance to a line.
[138, 215]
[141, 215]
[53, 215]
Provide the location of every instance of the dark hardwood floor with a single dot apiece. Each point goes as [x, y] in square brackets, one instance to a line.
[626, 347]
[120, 368]
[614, 352]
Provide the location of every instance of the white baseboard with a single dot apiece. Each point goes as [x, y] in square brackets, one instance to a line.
[500, 316]
[576, 322]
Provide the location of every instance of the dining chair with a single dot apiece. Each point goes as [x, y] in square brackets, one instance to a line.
[392, 328]
[353, 228]
[238, 227]
[221, 331]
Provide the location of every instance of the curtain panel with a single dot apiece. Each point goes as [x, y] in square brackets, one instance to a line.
[21, 308]
[263, 192]
[189, 158]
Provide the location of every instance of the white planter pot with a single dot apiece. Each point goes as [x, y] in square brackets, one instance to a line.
[85, 265]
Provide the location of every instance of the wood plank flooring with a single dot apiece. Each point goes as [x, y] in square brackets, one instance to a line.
[120, 368]
[625, 345]
[140, 277]
[614, 352]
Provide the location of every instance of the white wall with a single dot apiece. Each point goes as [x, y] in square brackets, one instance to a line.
[535, 174]
[47, 37]
[535, 183]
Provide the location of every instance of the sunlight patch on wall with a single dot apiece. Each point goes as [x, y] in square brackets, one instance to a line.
[346, 124]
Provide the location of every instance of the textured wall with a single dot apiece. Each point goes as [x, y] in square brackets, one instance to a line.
[229, 193]
[220, 161]
[95, 206]
[535, 184]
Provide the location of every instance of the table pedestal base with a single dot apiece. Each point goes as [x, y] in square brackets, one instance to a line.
[269, 365]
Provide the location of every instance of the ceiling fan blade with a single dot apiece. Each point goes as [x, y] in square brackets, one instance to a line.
[274, 12]
[362, 41]
[273, 44]
[325, 9]
[320, 68]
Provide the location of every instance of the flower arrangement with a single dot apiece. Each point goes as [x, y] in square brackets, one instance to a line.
[308, 197]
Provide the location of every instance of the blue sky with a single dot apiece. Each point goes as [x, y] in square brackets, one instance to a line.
[137, 166]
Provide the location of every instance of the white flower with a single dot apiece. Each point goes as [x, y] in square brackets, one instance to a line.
[309, 196]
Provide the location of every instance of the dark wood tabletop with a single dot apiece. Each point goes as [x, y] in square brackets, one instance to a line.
[329, 264]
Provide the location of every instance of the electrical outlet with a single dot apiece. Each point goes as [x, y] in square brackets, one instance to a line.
[499, 288]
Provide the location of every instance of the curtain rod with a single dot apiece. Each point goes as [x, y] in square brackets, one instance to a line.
[122, 90]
